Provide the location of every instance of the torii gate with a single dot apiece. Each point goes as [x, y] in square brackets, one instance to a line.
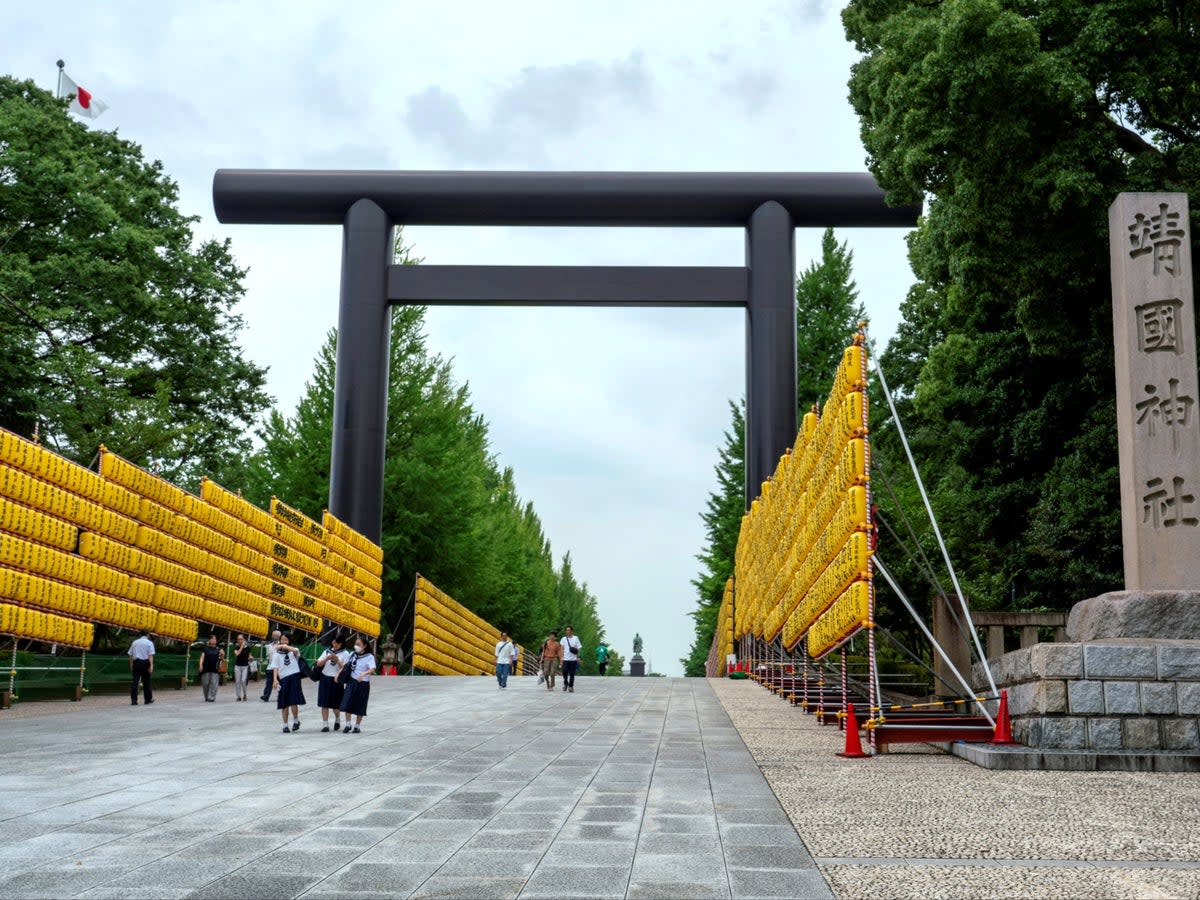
[367, 204]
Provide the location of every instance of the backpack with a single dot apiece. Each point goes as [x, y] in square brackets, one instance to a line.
[306, 671]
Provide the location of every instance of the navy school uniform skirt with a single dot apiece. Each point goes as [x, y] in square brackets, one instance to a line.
[355, 701]
[291, 692]
[330, 693]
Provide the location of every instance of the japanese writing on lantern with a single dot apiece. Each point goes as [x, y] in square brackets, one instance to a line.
[1159, 235]
[1164, 507]
[1171, 411]
[1158, 326]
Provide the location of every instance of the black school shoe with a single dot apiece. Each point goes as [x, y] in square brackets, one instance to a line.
[286, 730]
[358, 731]
[337, 726]
[325, 728]
[296, 725]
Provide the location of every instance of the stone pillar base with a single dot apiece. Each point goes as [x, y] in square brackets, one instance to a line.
[1164, 615]
[1112, 695]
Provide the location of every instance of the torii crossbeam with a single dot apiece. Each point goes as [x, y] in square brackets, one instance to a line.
[769, 206]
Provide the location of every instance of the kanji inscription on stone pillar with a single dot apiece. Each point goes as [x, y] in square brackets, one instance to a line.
[1158, 423]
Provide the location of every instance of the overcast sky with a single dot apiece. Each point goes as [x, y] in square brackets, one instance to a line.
[611, 419]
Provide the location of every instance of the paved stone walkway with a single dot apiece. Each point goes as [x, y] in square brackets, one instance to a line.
[627, 788]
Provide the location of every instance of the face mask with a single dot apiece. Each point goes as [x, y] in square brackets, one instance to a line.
[358, 648]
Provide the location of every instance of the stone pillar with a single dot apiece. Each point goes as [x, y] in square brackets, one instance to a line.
[956, 644]
[1158, 435]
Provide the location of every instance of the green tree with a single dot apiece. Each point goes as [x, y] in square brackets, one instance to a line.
[116, 327]
[1020, 122]
[827, 313]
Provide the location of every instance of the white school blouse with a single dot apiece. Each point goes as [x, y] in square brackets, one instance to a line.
[331, 668]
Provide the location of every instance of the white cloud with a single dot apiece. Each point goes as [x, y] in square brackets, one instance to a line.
[611, 418]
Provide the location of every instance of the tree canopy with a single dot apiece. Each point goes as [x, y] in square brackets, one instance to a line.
[1020, 122]
[116, 326]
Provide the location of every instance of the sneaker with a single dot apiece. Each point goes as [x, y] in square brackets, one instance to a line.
[337, 726]
[572, 689]
[325, 728]
[286, 730]
[296, 725]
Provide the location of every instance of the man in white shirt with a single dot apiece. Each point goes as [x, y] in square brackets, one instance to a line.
[271, 666]
[571, 647]
[141, 665]
[504, 653]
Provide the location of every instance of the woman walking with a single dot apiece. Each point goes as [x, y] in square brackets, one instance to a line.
[330, 691]
[241, 667]
[211, 658]
[288, 682]
[361, 665]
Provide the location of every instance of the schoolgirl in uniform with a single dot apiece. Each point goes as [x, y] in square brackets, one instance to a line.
[358, 689]
[288, 682]
[330, 691]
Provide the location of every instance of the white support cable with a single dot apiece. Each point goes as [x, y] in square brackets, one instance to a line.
[936, 646]
[962, 601]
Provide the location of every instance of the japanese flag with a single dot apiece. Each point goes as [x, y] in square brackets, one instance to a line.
[83, 103]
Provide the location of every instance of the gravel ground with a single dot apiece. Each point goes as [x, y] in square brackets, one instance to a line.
[861, 817]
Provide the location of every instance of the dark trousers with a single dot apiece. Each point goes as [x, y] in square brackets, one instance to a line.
[570, 667]
[603, 667]
[269, 686]
[141, 672]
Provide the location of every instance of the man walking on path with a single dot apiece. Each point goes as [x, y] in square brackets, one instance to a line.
[571, 646]
[602, 658]
[271, 648]
[504, 650]
[552, 655]
[141, 665]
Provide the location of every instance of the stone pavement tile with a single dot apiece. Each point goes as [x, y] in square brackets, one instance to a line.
[677, 890]
[171, 872]
[469, 888]
[378, 818]
[488, 838]
[508, 863]
[752, 857]
[674, 824]
[784, 883]
[587, 814]
[56, 881]
[260, 886]
[53, 845]
[389, 851]
[303, 862]
[761, 835]
[590, 853]
[656, 843]
[575, 881]
[435, 830]
[343, 837]
[469, 811]
[382, 879]
[108, 892]
[686, 868]
[599, 831]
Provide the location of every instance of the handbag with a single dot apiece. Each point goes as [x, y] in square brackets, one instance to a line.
[222, 667]
[541, 676]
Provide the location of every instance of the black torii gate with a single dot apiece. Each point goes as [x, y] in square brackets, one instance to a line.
[769, 206]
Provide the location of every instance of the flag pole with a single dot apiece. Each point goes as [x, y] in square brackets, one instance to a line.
[58, 89]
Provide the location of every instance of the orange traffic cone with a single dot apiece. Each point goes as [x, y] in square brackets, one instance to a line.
[854, 748]
[1003, 733]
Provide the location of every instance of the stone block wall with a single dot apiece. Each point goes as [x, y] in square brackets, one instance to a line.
[1116, 695]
